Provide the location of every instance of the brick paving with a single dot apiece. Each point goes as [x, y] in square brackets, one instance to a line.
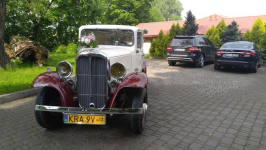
[189, 108]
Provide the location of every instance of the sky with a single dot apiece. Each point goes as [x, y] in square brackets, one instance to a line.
[228, 8]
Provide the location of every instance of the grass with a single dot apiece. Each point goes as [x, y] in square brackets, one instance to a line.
[21, 76]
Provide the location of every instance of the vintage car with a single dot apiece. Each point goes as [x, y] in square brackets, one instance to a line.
[110, 79]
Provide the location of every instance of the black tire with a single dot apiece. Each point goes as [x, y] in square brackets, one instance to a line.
[216, 67]
[254, 69]
[171, 63]
[138, 120]
[200, 62]
[49, 120]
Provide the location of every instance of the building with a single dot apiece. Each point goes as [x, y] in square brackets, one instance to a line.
[245, 23]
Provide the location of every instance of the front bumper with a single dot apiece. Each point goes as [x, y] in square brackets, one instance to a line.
[78, 110]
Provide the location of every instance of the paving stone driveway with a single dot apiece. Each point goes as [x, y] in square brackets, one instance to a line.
[189, 108]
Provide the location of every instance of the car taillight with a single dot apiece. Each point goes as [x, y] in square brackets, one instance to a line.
[169, 48]
[220, 52]
[248, 53]
[193, 49]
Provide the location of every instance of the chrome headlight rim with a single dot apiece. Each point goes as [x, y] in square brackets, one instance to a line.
[70, 66]
[123, 75]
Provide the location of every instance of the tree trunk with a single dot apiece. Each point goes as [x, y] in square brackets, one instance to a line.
[4, 59]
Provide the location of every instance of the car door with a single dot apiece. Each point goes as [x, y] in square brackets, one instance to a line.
[139, 50]
[204, 48]
[211, 48]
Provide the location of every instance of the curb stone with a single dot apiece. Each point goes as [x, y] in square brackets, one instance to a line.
[18, 95]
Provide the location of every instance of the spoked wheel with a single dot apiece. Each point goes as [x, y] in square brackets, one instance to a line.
[48, 120]
[200, 62]
[138, 120]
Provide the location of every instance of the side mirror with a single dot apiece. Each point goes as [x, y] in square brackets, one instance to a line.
[262, 49]
[145, 31]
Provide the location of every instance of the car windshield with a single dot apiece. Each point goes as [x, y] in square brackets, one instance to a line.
[237, 45]
[110, 36]
[182, 41]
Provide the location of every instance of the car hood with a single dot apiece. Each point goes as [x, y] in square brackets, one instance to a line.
[115, 51]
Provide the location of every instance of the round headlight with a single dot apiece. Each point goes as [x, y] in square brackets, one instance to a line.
[64, 69]
[118, 70]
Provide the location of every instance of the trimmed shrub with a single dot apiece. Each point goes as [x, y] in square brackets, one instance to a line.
[71, 48]
[61, 49]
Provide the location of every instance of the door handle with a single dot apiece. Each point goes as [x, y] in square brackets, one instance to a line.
[137, 51]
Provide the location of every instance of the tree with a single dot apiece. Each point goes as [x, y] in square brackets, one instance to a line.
[190, 27]
[214, 33]
[127, 12]
[52, 22]
[231, 33]
[152, 48]
[161, 9]
[258, 31]
[4, 59]
[160, 45]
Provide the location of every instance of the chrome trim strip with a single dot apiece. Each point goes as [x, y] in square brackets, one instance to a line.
[233, 61]
[180, 58]
[78, 110]
[179, 55]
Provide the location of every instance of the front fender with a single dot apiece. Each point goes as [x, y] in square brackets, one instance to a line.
[134, 80]
[52, 80]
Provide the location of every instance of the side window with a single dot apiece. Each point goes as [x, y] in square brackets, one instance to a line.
[201, 41]
[139, 40]
[208, 42]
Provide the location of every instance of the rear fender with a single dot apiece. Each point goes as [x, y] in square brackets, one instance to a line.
[134, 80]
[52, 80]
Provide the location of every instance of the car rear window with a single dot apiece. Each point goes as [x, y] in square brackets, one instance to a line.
[237, 45]
[182, 41]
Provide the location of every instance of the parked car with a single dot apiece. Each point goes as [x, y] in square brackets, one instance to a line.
[240, 54]
[190, 49]
[110, 79]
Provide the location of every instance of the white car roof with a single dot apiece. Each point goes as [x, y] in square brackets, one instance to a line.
[134, 28]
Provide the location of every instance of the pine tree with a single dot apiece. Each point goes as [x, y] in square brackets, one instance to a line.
[159, 49]
[231, 33]
[257, 33]
[152, 48]
[190, 27]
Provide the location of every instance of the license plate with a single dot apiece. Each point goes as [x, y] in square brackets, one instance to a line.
[230, 55]
[179, 49]
[84, 119]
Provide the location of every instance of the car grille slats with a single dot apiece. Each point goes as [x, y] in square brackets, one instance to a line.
[91, 81]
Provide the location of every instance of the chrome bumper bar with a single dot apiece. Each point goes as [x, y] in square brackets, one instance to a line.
[79, 110]
[180, 59]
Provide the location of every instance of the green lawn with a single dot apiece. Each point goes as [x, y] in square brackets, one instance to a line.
[21, 76]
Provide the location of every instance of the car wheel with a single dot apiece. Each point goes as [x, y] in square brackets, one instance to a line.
[216, 67]
[138, 120]
[200, 62]
[254, 69]
[48, 120]
[171, 63]
[259, 65]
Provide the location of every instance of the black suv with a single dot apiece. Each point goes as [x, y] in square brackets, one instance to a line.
[190, 49]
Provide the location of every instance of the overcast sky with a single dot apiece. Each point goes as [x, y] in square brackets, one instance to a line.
[227, 8]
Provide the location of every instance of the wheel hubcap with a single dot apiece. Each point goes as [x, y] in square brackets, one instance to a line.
[201, 61]
[144, 111]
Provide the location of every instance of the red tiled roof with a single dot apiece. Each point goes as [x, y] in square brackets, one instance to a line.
[245, 23]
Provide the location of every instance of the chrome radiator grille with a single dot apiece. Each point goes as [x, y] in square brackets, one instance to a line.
[91, 81]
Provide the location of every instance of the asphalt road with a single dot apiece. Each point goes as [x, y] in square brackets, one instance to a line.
[189, 108]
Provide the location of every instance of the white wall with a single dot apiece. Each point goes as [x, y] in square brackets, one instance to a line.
[146, 47]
